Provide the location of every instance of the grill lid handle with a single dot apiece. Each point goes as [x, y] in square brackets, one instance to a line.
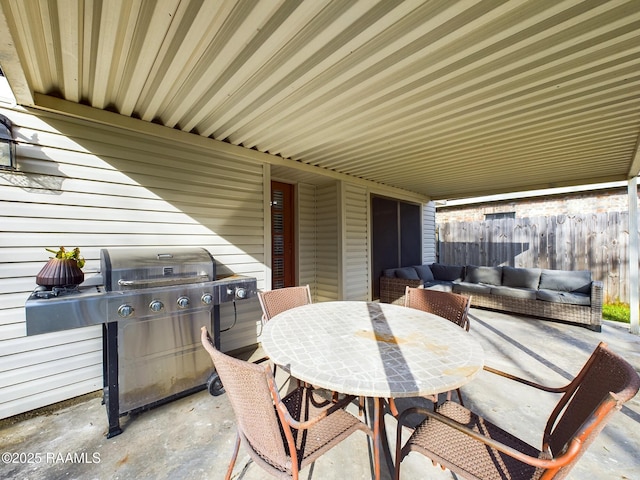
[162, 256]
[146, 283]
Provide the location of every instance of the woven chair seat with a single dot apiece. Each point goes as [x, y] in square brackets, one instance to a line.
[440, 442]
[323, 435]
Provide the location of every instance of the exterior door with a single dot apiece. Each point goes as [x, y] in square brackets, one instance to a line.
[282, 237]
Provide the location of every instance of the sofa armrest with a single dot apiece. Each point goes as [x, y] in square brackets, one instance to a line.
[597, 294]
[597, 288]
[392, 289]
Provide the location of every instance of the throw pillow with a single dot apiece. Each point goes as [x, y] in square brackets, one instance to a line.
[424, 272]
[407, 273]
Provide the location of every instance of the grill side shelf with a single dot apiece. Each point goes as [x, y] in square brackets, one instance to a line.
[54, 315]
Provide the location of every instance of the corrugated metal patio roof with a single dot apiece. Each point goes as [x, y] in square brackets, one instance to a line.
[442, 98]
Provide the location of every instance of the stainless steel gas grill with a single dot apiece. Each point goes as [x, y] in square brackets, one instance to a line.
[152, 303]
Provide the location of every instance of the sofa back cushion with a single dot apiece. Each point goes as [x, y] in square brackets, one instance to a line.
[424, 272]
[578, 281]
[521, 277]
[407, 273]
[486, 275]
[449, 273]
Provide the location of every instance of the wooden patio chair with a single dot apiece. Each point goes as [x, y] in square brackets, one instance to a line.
[452, 306]
[474, 448]
[281, 435]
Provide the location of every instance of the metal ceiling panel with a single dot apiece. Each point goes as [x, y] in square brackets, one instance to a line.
[442, 98]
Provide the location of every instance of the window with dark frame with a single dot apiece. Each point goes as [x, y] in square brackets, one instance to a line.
[396, 236]
[499, 215]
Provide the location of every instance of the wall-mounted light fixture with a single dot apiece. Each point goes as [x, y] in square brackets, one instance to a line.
[7, 144]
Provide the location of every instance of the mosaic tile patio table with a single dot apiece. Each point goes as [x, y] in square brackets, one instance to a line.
[372, 350]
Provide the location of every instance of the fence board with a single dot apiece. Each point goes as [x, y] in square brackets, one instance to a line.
[598, 242]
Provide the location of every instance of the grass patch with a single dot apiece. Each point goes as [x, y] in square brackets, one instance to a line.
[618, 312]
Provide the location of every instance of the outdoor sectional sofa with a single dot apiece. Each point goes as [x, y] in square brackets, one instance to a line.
[570, 296]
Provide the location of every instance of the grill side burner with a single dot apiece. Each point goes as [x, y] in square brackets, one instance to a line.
[152, 305]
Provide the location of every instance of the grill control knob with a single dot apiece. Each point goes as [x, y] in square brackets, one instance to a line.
[241, 292]
[207, 299]
[183, 302]
[156, 306]
[125, 310]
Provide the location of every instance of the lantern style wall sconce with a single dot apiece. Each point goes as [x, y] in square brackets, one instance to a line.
[7, 144]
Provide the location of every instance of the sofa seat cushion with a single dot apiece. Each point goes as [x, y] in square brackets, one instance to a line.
[486, 275]
[466, 287]
[424, 272]
[439, 286]
[521, 277]
[407, 273]
[578, 281]
[528, 293]
[449, 273]
[572, 298]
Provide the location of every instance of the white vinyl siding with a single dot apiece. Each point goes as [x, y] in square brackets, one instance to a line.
[428, 232]
[51, 368]
[307, 236]
[243, 323]
[327, 261]
[94, 186]
[355, 252]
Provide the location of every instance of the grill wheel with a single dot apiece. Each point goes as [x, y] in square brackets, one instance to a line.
[214, 385]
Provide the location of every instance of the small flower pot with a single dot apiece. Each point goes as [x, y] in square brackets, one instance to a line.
[60, 272]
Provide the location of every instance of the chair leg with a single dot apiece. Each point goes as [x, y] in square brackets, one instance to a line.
[236, 448]
[449, 397]
[393, 408]
[398, 456]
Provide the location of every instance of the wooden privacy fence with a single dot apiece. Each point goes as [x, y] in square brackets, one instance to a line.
[596, 242]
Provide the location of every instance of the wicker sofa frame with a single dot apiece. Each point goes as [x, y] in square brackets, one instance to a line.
[392, 290]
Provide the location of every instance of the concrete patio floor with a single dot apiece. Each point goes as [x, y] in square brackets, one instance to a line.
[192, 438]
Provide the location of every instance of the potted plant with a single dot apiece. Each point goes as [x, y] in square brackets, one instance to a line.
[62, 270]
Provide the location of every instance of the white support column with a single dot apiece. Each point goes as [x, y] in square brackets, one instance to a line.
[633, 256]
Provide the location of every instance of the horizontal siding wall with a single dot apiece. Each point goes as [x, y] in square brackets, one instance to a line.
[327, 260]
[92, 186]
[355, 252]
[428, 232]
[307, 236]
